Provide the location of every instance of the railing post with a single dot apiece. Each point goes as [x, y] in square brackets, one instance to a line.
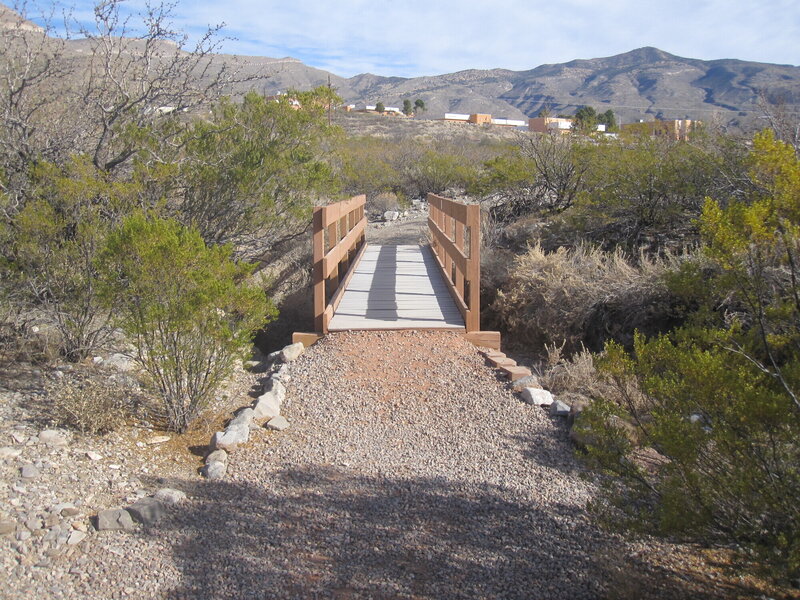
[473, 274]
[458, 280]
[319, 275]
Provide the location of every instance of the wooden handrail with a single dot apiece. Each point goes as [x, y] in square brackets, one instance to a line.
[338, 242]
[456, 244]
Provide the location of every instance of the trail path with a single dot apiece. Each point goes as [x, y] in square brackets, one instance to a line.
[409, 472]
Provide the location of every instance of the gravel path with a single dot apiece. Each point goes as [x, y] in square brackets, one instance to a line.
[409, 471]
[407, 230]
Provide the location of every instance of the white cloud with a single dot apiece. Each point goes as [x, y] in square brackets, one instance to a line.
[418, 37]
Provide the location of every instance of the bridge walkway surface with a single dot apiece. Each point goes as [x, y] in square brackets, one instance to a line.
[396, 287]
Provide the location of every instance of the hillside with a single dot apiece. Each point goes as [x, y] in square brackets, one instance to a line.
[645, 83]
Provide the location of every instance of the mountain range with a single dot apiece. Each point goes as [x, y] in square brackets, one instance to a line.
[645, 83]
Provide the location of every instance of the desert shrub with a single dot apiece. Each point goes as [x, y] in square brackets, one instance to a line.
[369, 166]
[250, 174]
[436, 171]
[90, 403]
[635, 189]
[582, 295]
[721, 402]
[726, 436]
[382, 202]
[184, 305]
[51, 243]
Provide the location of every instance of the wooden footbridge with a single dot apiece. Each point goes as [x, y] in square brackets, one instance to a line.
[360, 286]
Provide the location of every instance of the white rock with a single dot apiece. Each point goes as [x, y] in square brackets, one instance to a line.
[76, 537]
[266, 408]
[217, 456]
[275, 388]
[215, 470]
[29, 472]
[52, 437]
[158, 439]
[278, 423]
[7, 452]
[20, 437]
[120, 362]
[91, 455]
[147, 510]
[292, 352]
[390, 215]
[537, 396]
[229, 439]
[170, 496]
[114, 519]
[244, 417]
[559, 409]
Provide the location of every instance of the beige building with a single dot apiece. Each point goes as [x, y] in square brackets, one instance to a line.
[550, 125]
[480, 119]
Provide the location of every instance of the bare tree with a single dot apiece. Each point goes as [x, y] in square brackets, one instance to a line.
[94, 90]
[134, 77]
[30, 61]
[783, 118]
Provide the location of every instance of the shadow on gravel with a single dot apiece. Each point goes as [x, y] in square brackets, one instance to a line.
[323, 533]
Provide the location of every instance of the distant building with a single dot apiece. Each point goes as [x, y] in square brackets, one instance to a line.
[391, 111]
[675, 129]
[502, 122]
[550, 125]
[482, 119]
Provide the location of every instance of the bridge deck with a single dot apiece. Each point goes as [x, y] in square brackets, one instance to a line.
[396, 287]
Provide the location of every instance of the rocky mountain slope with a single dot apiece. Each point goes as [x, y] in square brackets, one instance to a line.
[645, 83]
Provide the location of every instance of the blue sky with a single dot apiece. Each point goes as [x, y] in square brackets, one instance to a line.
[424, 37]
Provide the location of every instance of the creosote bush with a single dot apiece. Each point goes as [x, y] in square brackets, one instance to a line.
[186, 307]
[719, 396]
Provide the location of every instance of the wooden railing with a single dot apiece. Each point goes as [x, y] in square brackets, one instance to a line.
[338, 244]
[456, 243]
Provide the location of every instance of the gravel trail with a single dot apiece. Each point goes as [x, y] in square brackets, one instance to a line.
[409, 471]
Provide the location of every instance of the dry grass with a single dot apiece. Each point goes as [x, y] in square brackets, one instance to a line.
[584, 295]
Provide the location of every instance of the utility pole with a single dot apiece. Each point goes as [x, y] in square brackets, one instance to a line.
[330, 100]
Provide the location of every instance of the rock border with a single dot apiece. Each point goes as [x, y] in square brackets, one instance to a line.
[264, 411]
[524, 383]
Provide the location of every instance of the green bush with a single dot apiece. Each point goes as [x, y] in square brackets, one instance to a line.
[720, 415]
[184, 305]
[50, 246]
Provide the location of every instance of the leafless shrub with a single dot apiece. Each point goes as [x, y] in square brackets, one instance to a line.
[382, 202]
[90, 404]
[578, 374]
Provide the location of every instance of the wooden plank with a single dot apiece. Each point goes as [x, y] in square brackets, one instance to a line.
[449, 248]
[397, 287]
[334, 212]
[337, 297]
[485, 339]
[450, 208]
[308, 339]
[501, 361]
[459, 302]
[318, 275]
[473, 271]
[335, 255]
[516, 373]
